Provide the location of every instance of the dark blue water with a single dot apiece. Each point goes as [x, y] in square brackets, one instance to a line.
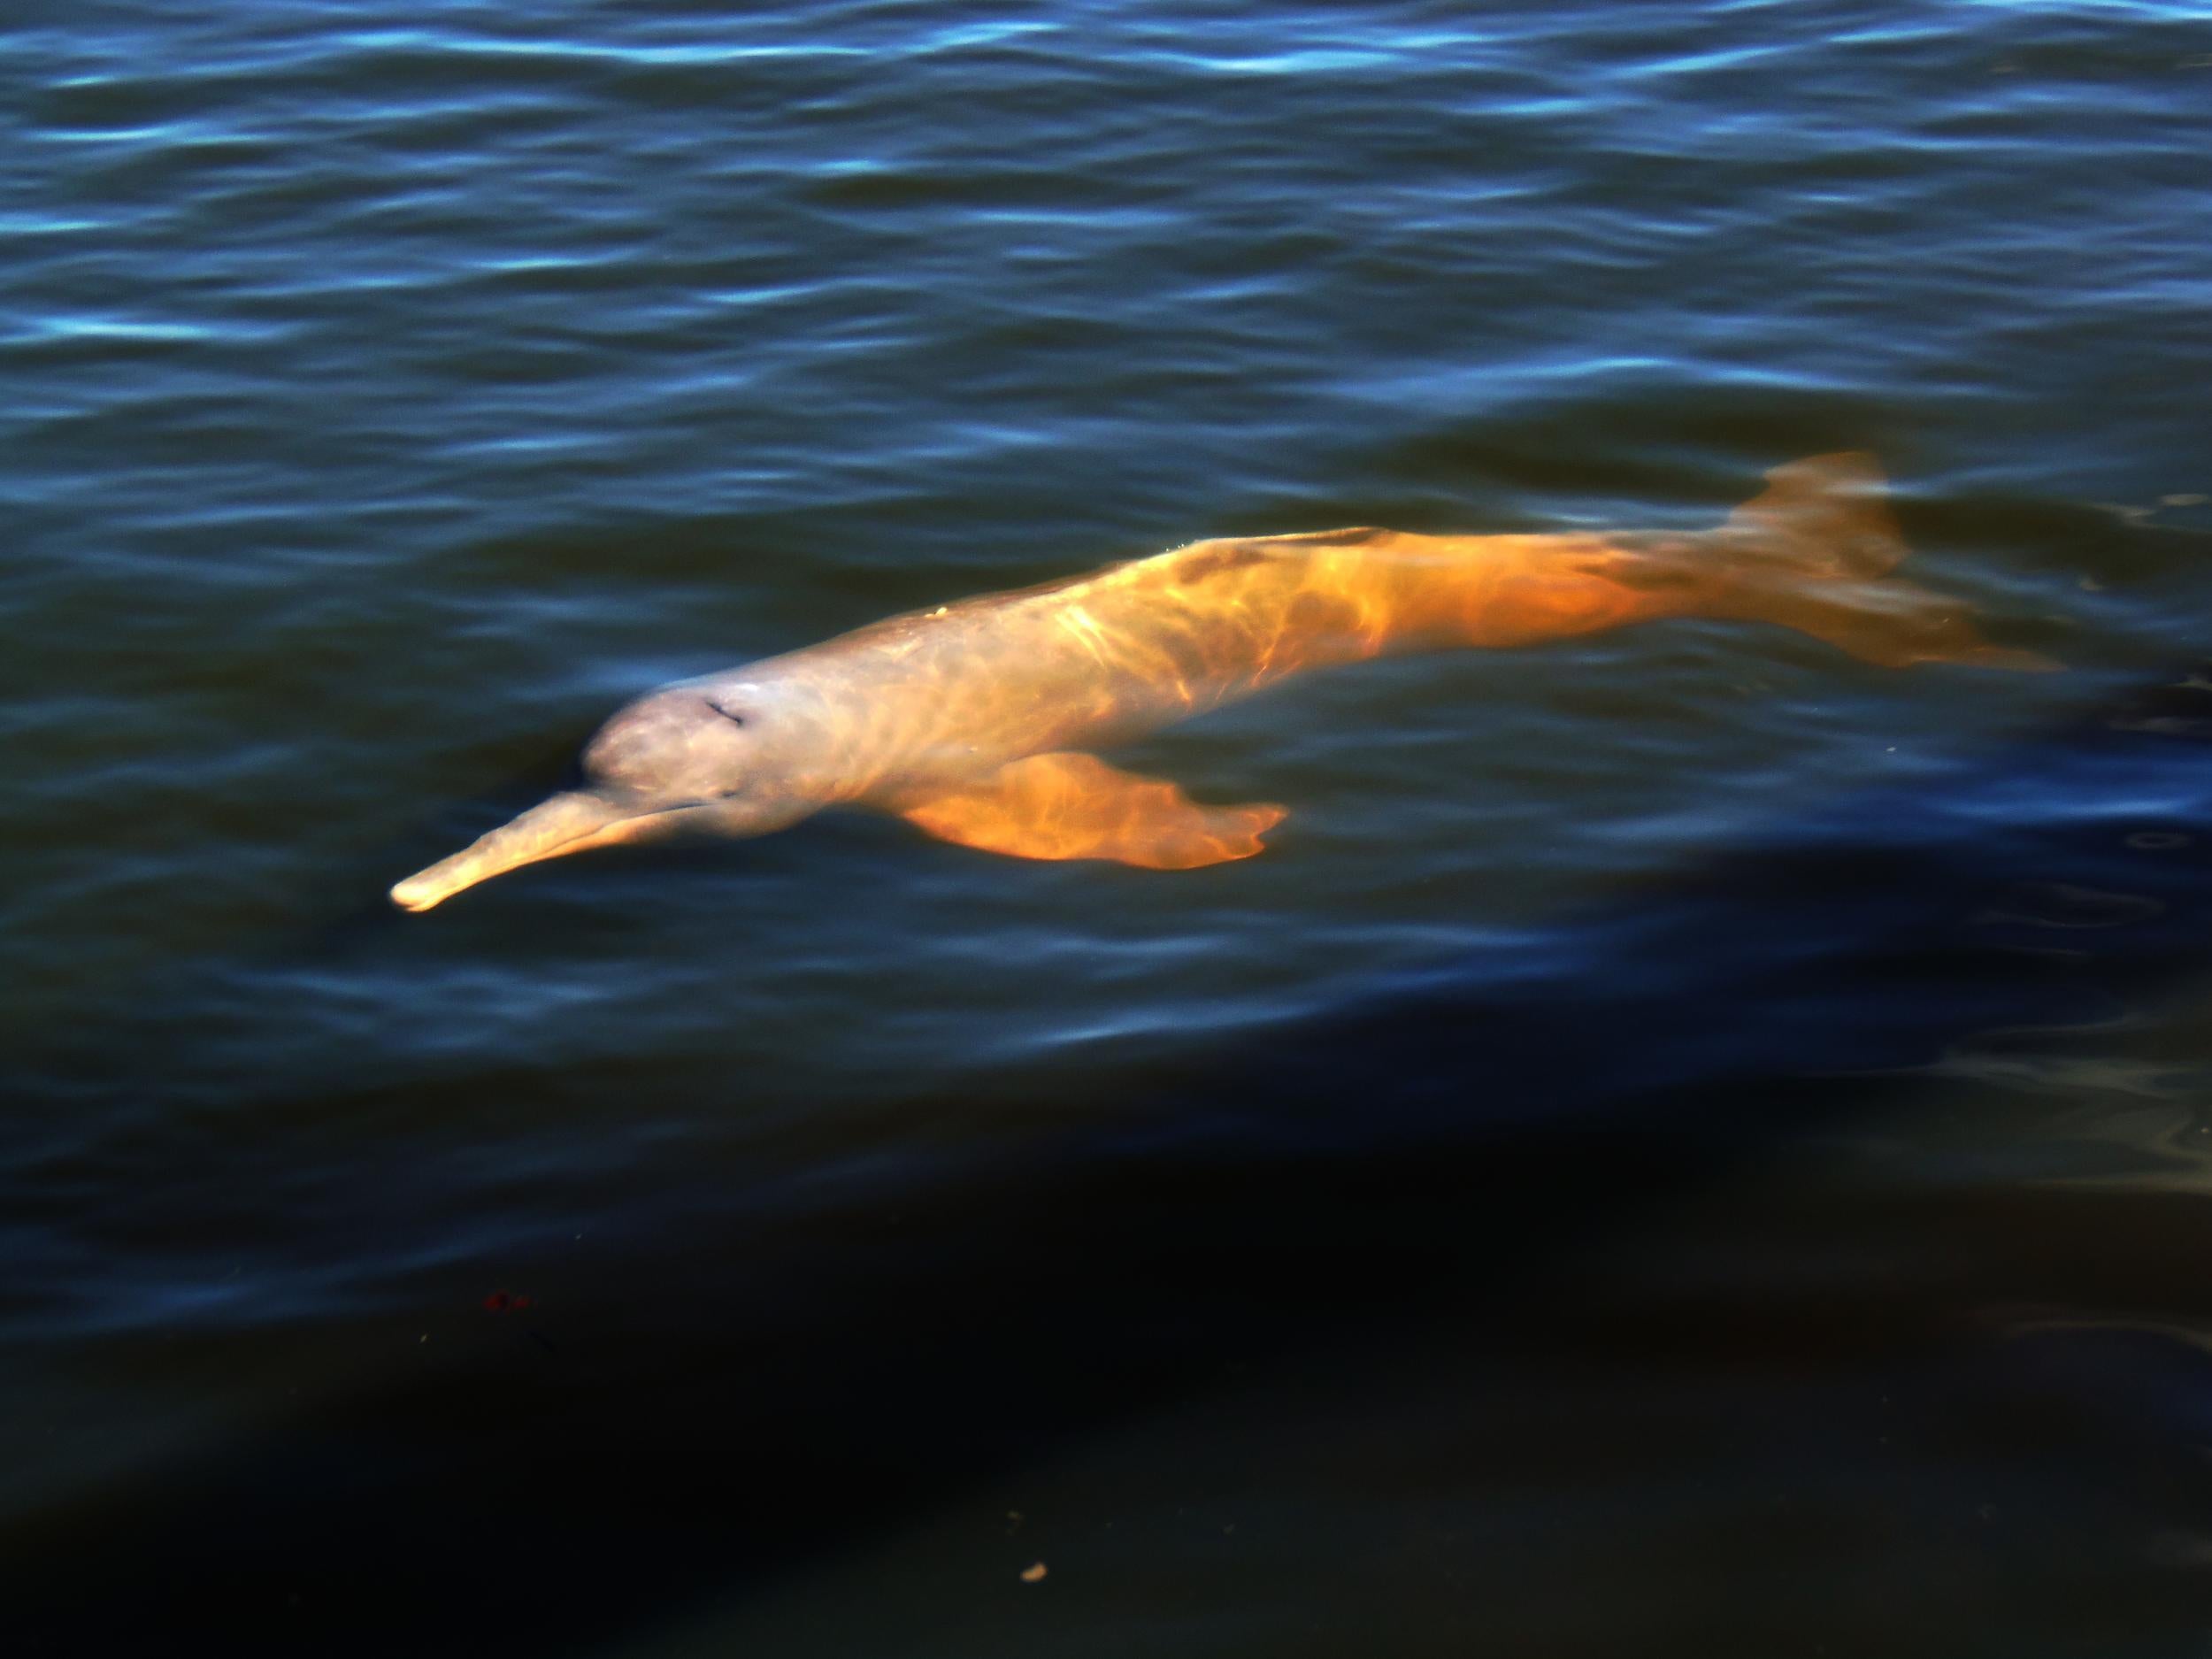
[1686, 1143]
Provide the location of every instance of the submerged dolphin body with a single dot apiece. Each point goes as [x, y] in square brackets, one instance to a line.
[975, 721]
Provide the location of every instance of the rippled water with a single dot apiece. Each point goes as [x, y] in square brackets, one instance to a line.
[1686, 1142]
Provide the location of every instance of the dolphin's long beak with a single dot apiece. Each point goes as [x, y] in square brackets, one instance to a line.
[565, 823]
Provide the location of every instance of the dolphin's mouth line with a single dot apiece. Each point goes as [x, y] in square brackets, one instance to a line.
[537, 835]
[574, 843]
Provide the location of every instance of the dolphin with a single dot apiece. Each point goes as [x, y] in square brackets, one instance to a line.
[977, 721]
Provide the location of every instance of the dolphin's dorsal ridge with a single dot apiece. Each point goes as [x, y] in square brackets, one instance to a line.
[1352, 535]
[1204, 559]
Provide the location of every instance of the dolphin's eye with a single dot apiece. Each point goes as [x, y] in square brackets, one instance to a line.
[731, 715]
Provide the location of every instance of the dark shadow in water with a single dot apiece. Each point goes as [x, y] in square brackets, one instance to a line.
[726, 1401]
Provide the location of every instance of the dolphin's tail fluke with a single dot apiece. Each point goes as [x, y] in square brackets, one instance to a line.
[1816, 550]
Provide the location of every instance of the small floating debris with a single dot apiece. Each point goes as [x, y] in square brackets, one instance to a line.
[1034, 1573]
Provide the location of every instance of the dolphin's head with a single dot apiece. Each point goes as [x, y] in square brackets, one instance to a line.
[690, 758]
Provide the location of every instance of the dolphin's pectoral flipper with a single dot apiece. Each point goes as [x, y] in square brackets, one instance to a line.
[1068, 805]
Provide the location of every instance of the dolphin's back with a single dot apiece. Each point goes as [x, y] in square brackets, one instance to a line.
[1119, 651]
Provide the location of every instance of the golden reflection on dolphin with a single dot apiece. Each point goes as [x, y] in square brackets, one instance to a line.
[976, 721]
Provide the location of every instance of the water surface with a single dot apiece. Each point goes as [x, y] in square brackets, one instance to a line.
[1686, 1141]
